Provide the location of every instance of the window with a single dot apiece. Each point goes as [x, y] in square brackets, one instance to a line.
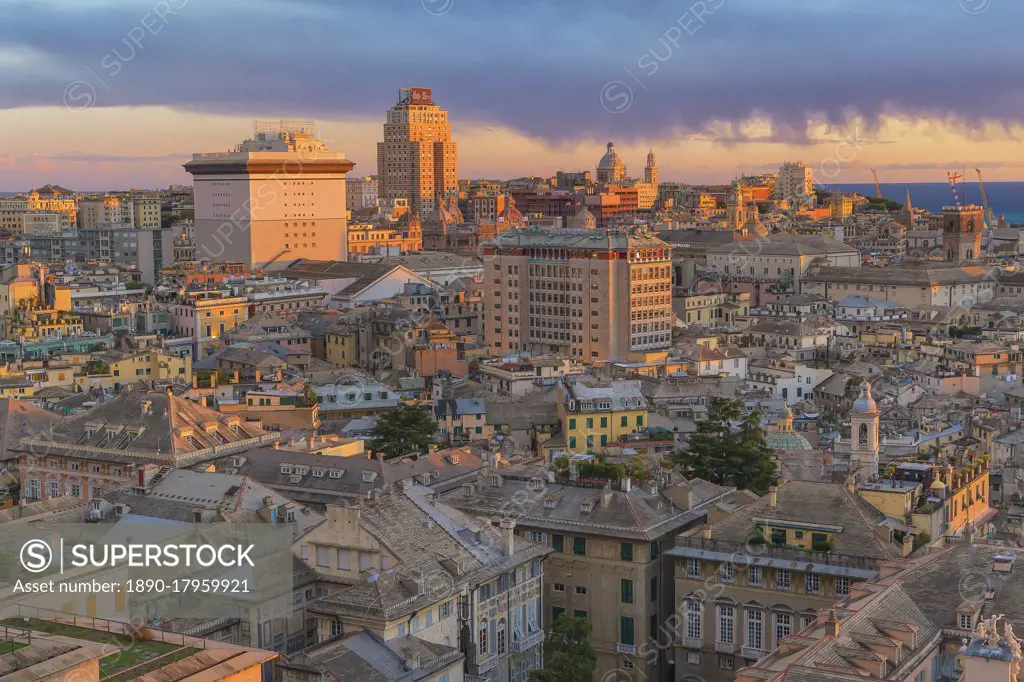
[323, 556]
[778, 536]
[783, 626]
[655, 550]
[579, 546]
[626, 630]
[754, 576]
[626, 551]
[558, 543]
[626, 591]
[755, 629]
[842, 586]
[965, 621]
[482, 637]
[558, 587]
[581, 590]
[654, 588]
[725, 662]
[444, 610]
[726, 624]
[812, 583]
[693, 568]
[693, 658]
[579, 613]
[501, 637]
[556, 611]
[725, 572]
[343, 560]
[693, 610]
[782, 579]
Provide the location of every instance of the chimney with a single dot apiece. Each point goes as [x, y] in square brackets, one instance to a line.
[195, 380]
[627, 485]
[908, 545]
[213, 380]
[312, 442]
[259, 376]
[508, 526]
[236, 377]
[832, 624]
[574, 472]
[707, 533]
[268, 501]
[606, 495]
[773, 496]
[412, 659]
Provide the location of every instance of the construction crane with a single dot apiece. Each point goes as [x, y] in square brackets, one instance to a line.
[953, 177]
[878, 187]
[990, 216]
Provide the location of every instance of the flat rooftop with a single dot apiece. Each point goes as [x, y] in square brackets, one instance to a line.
[42, 648]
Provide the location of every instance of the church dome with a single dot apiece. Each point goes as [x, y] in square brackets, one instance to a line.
[865, 404]
[510, 215]
[610, 160]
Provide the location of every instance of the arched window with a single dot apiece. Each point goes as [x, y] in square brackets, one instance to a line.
[863, 434]
[501, 637]
[483, 637]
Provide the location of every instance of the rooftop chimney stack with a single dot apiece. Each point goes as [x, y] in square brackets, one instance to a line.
[508, 527]
[773, 497]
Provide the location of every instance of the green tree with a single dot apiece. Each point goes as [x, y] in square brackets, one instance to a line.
[403, 431]
[733, 457]
[568, 656]
[96, 367]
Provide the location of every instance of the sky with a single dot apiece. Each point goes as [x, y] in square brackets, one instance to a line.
[107, 94]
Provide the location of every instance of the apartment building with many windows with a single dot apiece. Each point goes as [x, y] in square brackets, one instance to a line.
[589, 295]
[744, 584]
[609, 563]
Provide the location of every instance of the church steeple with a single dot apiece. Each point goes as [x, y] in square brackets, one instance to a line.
[651, 171]
[864, 432]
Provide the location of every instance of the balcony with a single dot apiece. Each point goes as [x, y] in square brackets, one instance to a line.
[628, 649]
[486, 665]
[725, 647]
[752, 653]
[693, 642]
[527, 643]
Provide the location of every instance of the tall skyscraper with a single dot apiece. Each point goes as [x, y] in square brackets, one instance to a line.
[417, 160]
[593, 295]
[280, 194]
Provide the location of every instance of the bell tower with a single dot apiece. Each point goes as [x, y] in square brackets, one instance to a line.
[864, 432]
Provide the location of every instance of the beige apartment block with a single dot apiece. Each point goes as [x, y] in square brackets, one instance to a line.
[763, 573]
[589, 295]
[278, 195]
[609, 563]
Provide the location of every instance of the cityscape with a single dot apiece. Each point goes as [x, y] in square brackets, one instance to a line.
[339, 346]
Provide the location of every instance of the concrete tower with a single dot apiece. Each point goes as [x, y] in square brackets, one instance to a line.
[864, 432]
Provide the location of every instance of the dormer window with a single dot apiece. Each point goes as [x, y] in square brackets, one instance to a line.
[318, 473]
[295, 479]
[301, 471]
[966, 621]
[587, 506]
[335, 473]
[369, 476]
[286, 469]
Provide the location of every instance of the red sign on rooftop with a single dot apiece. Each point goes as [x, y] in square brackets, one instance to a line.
[416, 96]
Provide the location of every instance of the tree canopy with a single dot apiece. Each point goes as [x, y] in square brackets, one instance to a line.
[732, 457]
[403, 431]
[568, 656]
